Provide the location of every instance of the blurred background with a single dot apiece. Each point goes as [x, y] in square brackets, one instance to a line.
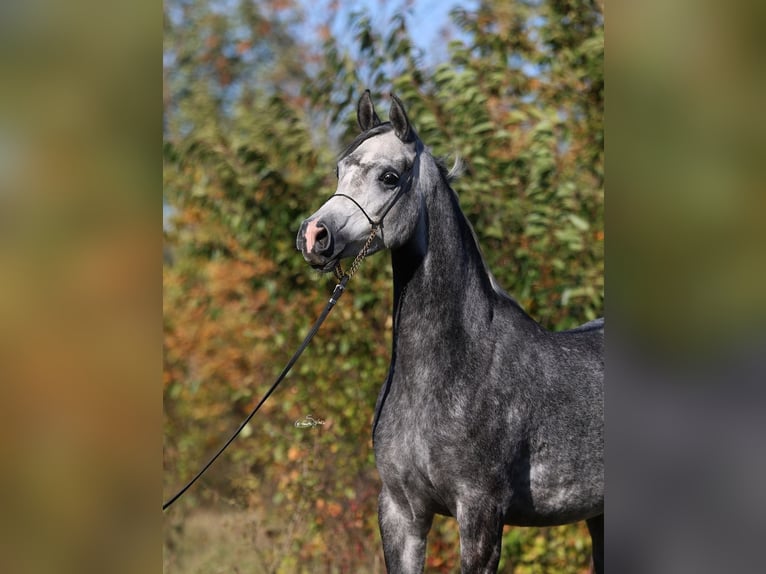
[259, 98]
[186, 141]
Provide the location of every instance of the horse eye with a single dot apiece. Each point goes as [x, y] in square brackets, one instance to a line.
[390, 178]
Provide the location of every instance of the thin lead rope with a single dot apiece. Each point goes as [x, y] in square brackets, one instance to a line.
[343, 279]
[334, 298]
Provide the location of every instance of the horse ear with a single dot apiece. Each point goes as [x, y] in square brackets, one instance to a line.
[365, 112]
[399, 119]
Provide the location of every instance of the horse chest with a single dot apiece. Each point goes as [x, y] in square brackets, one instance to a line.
[410, 465]
[423, 448]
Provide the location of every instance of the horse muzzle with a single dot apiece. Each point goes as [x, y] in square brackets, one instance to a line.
[317, 244]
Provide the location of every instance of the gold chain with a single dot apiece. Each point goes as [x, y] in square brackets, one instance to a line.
[359, 257]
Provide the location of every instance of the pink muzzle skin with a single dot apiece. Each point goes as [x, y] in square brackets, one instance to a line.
[312, 230]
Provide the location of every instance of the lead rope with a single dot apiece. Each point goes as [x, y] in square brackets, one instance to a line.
[343, 279]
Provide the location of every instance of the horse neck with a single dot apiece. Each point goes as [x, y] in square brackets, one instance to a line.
[443, 282]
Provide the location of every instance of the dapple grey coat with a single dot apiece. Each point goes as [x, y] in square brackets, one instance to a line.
[485, 415]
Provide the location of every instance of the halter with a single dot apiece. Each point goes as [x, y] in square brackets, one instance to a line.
[377, 224]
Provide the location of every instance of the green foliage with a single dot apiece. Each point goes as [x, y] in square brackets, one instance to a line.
[253, 119]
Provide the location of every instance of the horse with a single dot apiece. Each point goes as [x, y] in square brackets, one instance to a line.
[485, 416]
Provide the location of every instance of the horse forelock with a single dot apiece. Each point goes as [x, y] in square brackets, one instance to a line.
[380, 129]
[363, 137]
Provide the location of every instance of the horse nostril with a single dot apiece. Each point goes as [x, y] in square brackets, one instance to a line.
[322, 238]
[318, 238]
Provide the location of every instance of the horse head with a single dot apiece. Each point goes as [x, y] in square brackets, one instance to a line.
[377, 189]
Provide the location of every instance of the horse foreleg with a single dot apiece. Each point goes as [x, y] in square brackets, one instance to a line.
[403, 535]
[481, 537]
[596, 529]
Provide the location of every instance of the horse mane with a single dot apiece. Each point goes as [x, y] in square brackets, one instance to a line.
[449, 175]
[452, 173]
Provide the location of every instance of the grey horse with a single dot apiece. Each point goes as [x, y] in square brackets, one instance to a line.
[485, 415]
